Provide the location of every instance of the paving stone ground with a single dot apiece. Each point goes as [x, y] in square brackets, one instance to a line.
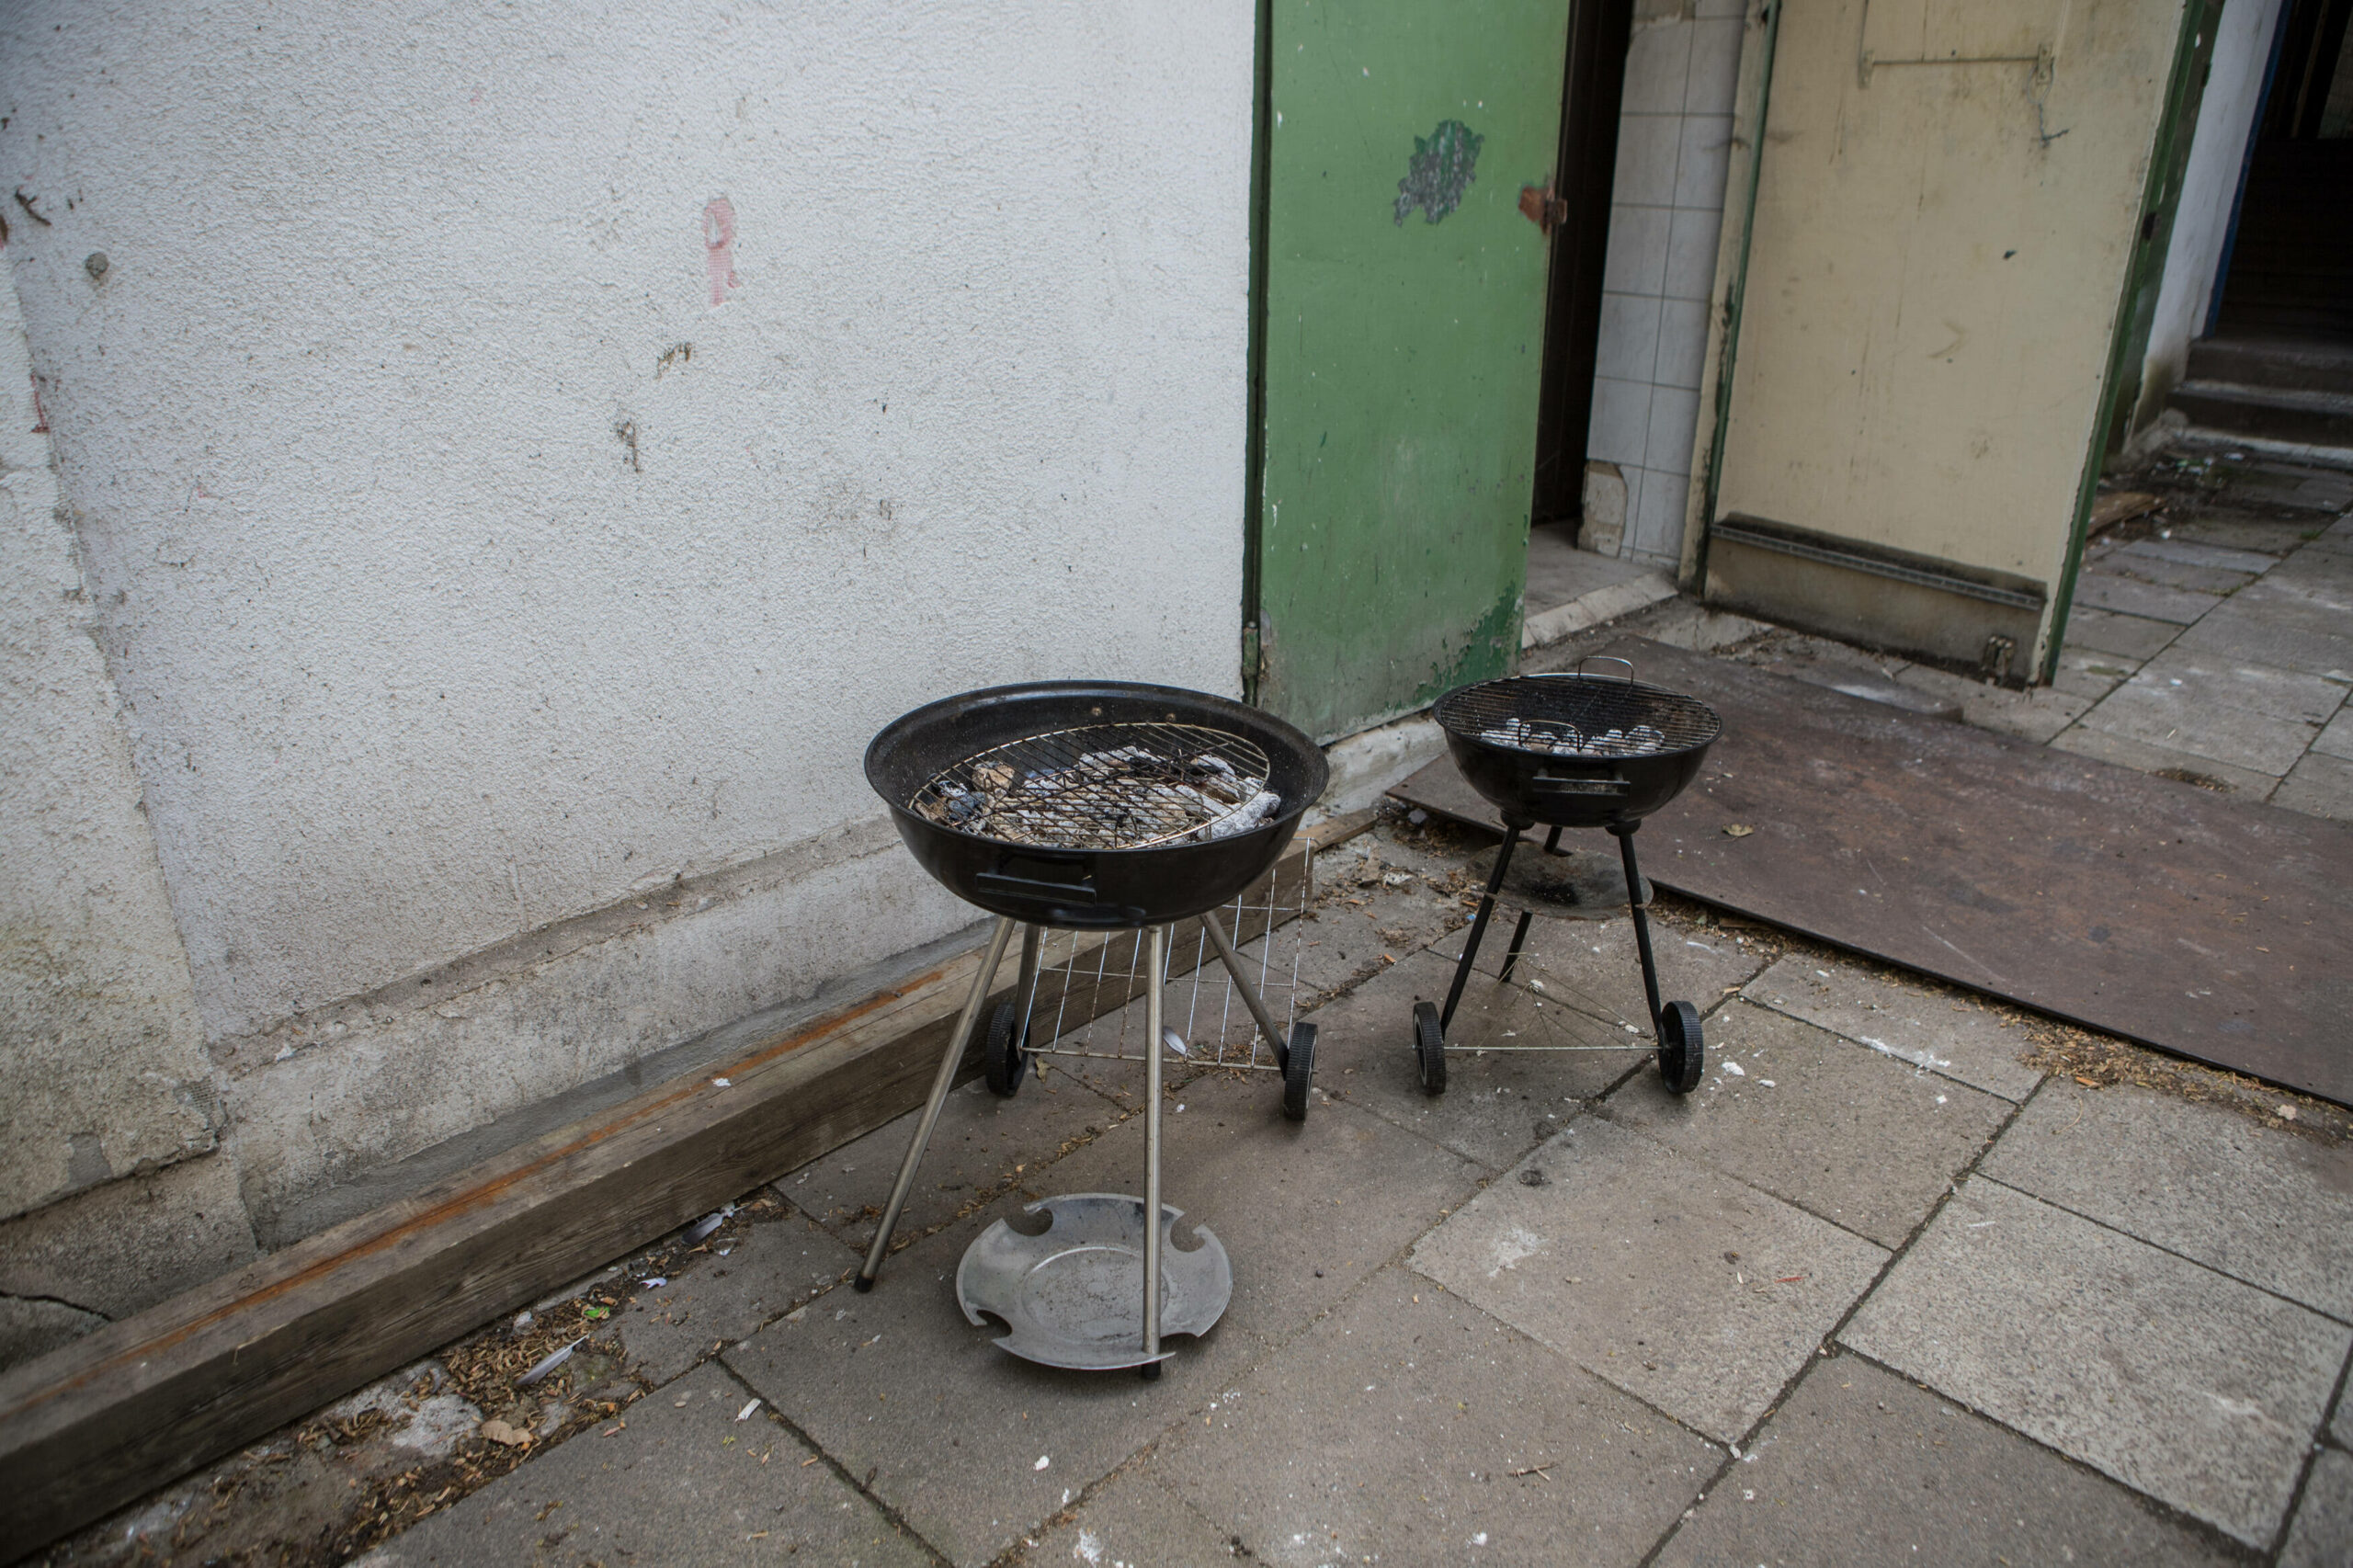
[1527, 1320]
[1879, 1292]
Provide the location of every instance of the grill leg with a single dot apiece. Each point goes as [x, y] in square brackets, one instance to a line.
[1478, 928]
[1519, 933]
[1242, 983]
[1625, 836]
[1025, 989]
[1155, 981]
[941, 1082]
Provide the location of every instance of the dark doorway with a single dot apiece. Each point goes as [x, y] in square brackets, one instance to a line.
[2291, 268]
[1593, 89]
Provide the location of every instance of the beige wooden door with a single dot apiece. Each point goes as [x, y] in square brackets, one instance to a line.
[1948, 205]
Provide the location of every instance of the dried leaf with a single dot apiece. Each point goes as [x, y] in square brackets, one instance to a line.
[1737, 830]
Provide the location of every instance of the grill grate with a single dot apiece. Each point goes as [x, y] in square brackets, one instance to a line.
[1106, 786]
[1579, 715]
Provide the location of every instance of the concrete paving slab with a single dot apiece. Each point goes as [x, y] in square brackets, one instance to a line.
[1957, 1036]
[2124, 595]
[2261, 1204]
[680, 1481]
[2238, 528]
[2133, 636]
[2340, 1424]
[2321, 1535]
[2250, 715]
[979, 1140]
[2318, 786]
[1837, 1129]
[2086, 672]
[1859, 1466]
[1393, 1432]
[2336, 738]
[2189, 552]
[1305, 1209]
[2035, 714]
[946, 1429]
[2166, 761]
[1688, 1289]
[2142, 567]
[1594, 967]
[1498, 1104]
[769, 1270]
[1133, 1521]
[2184, 1383]
[2284, 624]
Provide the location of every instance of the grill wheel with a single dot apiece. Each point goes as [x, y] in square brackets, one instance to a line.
[1003, 1063]
[1682, 1052]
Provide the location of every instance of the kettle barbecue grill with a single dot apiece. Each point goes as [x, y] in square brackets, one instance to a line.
[1573, 750]
[1093, 806]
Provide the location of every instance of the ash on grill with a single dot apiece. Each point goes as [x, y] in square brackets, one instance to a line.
[1103, 800]
[1566, 740]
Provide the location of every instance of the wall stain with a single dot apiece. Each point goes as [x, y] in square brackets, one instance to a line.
[1443, 165]
[676, 355]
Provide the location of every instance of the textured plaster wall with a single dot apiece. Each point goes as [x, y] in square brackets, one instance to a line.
[102, 1065]
[520, 456]
[2210, 187]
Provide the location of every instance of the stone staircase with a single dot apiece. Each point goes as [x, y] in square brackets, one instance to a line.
[2297, 392]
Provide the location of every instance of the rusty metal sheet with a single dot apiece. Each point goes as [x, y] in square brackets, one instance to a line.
[2211, 927]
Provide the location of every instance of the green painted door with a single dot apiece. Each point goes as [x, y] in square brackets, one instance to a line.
[1402, 345]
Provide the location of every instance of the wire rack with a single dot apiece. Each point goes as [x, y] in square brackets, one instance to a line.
[1122, 786]
[1100, 1010]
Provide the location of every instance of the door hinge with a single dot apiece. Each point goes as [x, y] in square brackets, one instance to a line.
[1541, 207]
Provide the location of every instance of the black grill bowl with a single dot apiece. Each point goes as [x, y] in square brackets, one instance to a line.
[1529, 786]
[1088, 888]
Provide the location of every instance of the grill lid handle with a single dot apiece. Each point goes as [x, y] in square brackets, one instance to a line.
[1550, 784]
[1605, 659]
[1005, 883]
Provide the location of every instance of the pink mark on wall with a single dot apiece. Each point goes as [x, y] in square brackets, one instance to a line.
[719, 246]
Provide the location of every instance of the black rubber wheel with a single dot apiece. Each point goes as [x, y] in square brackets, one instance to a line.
[1299, 1071]
[1430, 1048]
[1682, 1053]
[1151, 1370]
[1003, 1063]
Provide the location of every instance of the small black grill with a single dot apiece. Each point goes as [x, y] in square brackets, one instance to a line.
[1573, 750]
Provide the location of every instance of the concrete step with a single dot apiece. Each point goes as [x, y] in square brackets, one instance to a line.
[2305, 417]
[2291, 364]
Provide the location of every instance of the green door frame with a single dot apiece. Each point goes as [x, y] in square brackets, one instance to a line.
[2136, 305]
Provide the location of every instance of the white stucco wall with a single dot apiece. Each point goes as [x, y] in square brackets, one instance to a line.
[467, 570]
[102, 1066]
[2209, 186]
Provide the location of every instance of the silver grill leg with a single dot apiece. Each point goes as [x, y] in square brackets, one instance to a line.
[1155, 981]
[941, 1082]
[1243, 984]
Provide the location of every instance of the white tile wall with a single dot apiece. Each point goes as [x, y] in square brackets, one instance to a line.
[1666, 210]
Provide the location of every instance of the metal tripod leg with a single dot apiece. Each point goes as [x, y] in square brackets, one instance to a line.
[1625, 837]
[941, 1082]
[1025, 989]
[1478, 929]
[1519, 933]
[1243, 984]
[1155, 981]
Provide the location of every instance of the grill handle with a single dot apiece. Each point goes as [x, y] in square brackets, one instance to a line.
[1546, 784]
[1006, 884]
[1607, 659]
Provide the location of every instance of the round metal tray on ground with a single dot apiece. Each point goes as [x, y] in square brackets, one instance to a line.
[1072, 1295]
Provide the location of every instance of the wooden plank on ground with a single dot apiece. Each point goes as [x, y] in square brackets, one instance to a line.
[100, 1422]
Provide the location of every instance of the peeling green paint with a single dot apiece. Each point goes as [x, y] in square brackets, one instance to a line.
[1445, 162]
